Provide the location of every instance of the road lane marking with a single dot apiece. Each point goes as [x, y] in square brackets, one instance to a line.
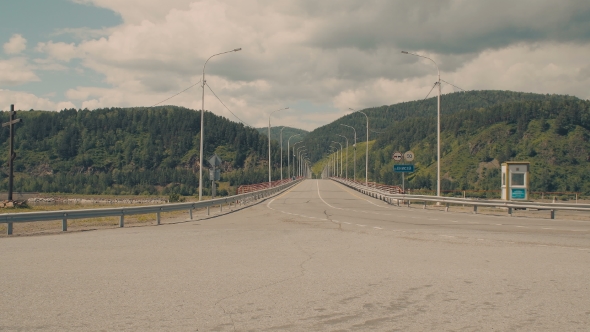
[377, 228]
[361, 225]
[354, 194]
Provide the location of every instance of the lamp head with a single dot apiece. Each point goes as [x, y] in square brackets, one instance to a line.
[404, 52]
[237, 49]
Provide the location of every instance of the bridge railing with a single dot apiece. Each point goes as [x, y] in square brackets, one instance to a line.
[447, 201]
[383, 187]
[264, 185]
[121, 212]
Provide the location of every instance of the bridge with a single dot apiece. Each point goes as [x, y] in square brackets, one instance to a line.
[315, 257]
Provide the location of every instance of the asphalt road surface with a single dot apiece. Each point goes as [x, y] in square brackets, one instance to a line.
[319, 257]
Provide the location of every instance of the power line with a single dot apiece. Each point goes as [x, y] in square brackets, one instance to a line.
[176, 94]
[489, 101]
[435, 83]
[227, 107]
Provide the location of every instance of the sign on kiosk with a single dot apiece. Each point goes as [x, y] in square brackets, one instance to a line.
[515, 180]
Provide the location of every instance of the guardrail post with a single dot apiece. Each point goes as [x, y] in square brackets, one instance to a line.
[552, 214]
[447, 208]
[475, 209]
[408, 203]
[122, 221]
[9, 228]
[510, 211]
[208, 210]
[157, 218]
[190, 214]
[424, 208]
[64, 225]
[220, 207]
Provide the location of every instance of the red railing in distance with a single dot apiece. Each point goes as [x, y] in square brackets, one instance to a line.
[261, 186]
[378, 186]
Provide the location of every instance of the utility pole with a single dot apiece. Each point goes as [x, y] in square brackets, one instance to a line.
[12, 155]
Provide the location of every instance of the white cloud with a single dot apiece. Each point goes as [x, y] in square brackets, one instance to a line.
[16, 71]
[136, 11]
[15, 45]
[26, 101]
[48, 64]
[333, 54]
[59, 51]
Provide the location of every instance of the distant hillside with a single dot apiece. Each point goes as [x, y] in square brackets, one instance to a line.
[551, 132]
[129, 151]
[287, 132]
[380, 118]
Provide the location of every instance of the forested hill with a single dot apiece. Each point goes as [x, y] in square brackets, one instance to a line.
[287, 132]
[132, 151]
[382, 117]
[552, 132]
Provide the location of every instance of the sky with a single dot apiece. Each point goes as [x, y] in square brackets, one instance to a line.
[319, 58]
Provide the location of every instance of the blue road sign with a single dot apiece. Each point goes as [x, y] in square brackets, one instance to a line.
[518, 193]
[403, 168]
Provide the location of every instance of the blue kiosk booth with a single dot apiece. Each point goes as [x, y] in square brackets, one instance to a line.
[515, 180]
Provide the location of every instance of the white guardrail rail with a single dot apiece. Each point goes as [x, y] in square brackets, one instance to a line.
[121, 212]
[509, 205]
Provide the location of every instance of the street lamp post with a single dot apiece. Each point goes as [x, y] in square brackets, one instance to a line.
[203, 122]
[269, 164]
[341, 148]
[299, 157]
[346, 138]
[334, 158]
[281, 139]
[298, 160]
[289, 155]
[438, 122]
[302, 163]
[354, 155]
[367, 153]
[294, 165]
[302, 166]
[334, 161]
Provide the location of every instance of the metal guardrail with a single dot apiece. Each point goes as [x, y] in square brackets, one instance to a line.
[121, 212]
[509, 205]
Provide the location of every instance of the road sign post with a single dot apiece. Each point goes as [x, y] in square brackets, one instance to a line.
[409, 156]
[403, 168]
